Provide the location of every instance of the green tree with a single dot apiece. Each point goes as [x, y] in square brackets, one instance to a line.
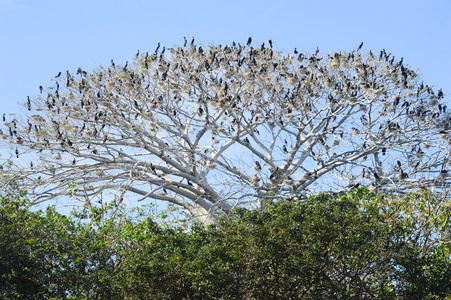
[355, 246]
[44, 254]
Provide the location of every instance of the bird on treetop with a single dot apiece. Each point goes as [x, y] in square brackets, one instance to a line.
[360, 46]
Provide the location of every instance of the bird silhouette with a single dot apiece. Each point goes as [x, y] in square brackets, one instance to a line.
[360, 46]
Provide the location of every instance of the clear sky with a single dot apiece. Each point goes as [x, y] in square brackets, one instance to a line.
[40, 38]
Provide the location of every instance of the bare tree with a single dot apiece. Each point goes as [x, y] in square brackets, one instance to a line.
[211, 127]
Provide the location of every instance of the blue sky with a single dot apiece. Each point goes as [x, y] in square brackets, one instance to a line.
[40, 38]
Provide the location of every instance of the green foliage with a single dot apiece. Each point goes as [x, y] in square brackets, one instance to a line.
[49, 255]
[356, 246]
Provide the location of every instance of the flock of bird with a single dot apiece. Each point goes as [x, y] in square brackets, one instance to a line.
[174, 119]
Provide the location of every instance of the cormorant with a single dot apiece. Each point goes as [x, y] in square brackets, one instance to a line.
[257, 167]
[284, 149]
[360, 46]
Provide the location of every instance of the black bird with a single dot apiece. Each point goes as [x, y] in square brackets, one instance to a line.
[17, 153]
[185, 41]
[136, 105]
[284, 149]
[274, 173]
[158, 47]
[444, 173]
[112, 64]
[270, 43]
[192, 41]
[246, 140]
[353, 186]
[28, 103]
[402, 175]
[376, 176]
[74, 161]
[296, 51]
[249, 41]
[440, 94]
[4, 118]
[58, 75]
[360, 46]
[41, 88]
[258, 167]
[137, 54]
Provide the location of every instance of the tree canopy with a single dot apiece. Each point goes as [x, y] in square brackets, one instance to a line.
[212, 127]
[355, 246]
